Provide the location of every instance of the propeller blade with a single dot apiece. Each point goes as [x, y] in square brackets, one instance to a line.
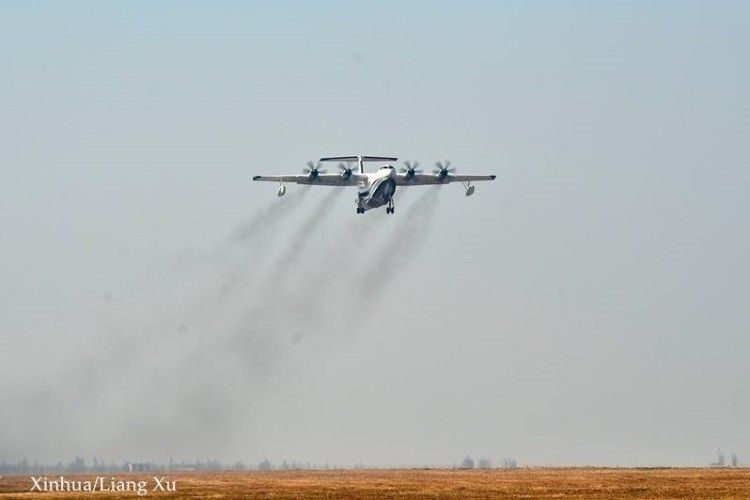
[447, 163]
[439, 165]
[411, 169]
[311, 164]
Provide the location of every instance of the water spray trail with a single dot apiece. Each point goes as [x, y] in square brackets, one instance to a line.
[348, 293]
[249, 346]
[253, 339]
[254, 236]
[119, 366]
[273, 212]
[412, 230]
[303, 234]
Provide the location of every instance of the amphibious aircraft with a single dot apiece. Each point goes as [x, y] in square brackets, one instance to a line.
[375, 189]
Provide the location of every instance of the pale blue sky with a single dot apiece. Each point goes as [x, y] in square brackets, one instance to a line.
[591, 307]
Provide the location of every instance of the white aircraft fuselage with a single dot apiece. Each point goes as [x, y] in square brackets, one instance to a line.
[378, 189]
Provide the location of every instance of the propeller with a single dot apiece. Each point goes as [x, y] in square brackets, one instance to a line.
[443, 169]
[411, 169]
[312, 170]
[346, 171]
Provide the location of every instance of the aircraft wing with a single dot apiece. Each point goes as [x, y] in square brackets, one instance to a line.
[320, 179]
[432, 179]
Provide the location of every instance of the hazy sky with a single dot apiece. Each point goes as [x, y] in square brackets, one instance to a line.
[590, 307]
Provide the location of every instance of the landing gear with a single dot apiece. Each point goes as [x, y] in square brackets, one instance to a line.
[360, 210]
[390, 208]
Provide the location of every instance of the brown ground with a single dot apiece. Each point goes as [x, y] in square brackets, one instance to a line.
[520, 483]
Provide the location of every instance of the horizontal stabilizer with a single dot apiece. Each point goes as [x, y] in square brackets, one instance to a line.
[341, 158]
[356, 158]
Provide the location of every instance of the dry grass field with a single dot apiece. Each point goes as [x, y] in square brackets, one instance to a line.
[416, 483]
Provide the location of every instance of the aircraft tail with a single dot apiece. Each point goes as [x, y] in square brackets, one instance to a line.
[360, 159]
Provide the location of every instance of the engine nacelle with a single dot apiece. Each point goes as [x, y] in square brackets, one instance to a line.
[281, 191]
[469, 190]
